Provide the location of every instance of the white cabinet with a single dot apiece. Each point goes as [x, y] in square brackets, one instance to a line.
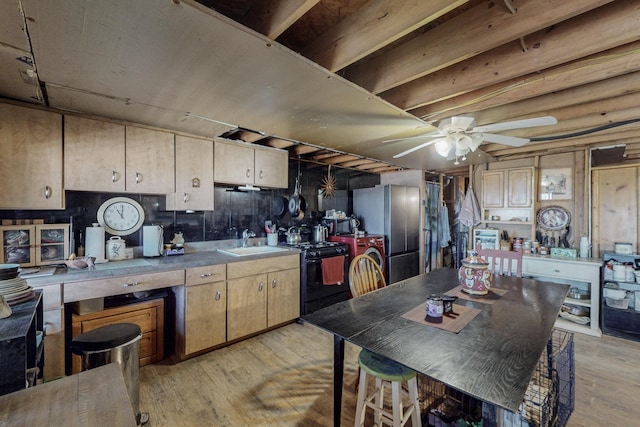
[109, 157]
[31, 172]
[581, 273]
[242, 164]
[194, 175]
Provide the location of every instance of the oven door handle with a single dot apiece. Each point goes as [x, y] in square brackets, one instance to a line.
[319, 260]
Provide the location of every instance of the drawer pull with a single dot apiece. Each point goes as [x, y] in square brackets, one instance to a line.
[203, 275]
[556, 271]
[47, 191]
[261, 175]
[126, 285]
[138, 177]
[185, 198]
[273, 283]
[114, 176]
[218, 294]
[260, 286]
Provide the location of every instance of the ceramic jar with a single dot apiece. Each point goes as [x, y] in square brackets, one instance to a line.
[475, 276]
[115, 249]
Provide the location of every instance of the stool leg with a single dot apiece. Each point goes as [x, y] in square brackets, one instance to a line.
[379, 401]
[413, 397]
[362, 392]
[396, 401]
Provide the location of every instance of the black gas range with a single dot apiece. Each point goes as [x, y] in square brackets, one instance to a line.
[315, 293]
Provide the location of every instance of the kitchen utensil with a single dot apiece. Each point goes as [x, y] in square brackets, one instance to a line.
[115, 248]
[152, 240]
[178, 239]
[272, 239]
[435, 309]
[295, 201]
[293, 236]
[576, 293]
[320, 233]
[279, 207]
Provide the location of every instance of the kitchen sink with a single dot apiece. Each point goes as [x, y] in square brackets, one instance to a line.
[253, 250]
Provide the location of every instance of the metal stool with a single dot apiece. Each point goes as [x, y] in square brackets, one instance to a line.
[119, 343]
[387, 372]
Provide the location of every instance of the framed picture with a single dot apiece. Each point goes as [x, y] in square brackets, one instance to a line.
[556, 184]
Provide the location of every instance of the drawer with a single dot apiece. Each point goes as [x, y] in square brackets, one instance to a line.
[77, 291]
[208, 274]
[268, 265]
[563, 269]
[146, 319]
[148, 345]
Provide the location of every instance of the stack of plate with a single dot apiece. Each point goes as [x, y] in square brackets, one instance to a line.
[13, 288]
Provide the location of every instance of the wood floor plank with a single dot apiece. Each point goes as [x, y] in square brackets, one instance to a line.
[284, 378]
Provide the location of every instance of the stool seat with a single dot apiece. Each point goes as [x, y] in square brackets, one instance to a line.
[383, 367]
[105, 337]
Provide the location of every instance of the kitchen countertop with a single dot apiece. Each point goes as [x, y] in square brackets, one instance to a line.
[148, 265]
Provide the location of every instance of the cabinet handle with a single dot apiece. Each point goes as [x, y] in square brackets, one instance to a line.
[185, 198]
[273, 283]
[126, 285]
[260, 286]
[138, 177]
[203, 275]
[261, 174]
[248, 173]
[556, 271]
[218, 294]
[47, 191]
[114, 176]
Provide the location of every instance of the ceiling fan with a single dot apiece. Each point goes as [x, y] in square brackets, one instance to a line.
[457, 136]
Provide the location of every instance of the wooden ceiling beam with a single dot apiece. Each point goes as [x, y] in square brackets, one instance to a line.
[482, 28]
[587, 34]
[340, 158]
[274, 17]
[301, 150]
[356, 163]
[614, 62]
[372, 27]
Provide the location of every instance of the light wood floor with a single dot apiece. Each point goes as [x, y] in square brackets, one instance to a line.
[284, 378]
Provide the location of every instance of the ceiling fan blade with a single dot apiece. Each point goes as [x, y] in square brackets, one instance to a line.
[513, 141]
[462, 122]
[416, 148]
[434, 134]
[517, 124]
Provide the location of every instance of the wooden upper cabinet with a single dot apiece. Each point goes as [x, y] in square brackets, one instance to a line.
[194, 175]
[271, 168]
[520, 189]
[94, 153]
[149, 161]
[31, 172]
[493, 189]
[241, 164]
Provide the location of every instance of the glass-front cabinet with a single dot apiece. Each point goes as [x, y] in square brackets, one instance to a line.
[35, 244]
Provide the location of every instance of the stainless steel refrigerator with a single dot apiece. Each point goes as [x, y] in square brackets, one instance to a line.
[393, 211]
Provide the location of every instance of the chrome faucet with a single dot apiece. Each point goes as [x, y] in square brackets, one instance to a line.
[245, 237]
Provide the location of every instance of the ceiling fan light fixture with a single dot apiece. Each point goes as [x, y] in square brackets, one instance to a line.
[443, 147]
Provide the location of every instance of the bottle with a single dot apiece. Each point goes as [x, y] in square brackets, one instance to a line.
[81, 247]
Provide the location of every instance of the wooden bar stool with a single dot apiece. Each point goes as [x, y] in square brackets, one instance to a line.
[387, 373]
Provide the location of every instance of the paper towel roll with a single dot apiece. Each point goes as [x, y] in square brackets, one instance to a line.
[94, 245]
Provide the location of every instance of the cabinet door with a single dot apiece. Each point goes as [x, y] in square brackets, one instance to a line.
[233, 163]
[271, 168]
[18, 244]
[520, 188]
[93, 155]
[150, 165]
[493, 189]
[194, 175]
[52, 243]
[246, 306]
[205, 316]
[283, 297]
[31, 172]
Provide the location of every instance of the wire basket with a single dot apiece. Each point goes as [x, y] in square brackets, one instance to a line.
[548, 402]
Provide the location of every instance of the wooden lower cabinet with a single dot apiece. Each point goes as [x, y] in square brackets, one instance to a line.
[246, 306]
[283, 297]
[149, 315]
[201, 310]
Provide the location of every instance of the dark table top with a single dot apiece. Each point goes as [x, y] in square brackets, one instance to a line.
[492, 358]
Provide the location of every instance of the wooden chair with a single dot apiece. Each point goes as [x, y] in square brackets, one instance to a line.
[366, 276]
[503, 263]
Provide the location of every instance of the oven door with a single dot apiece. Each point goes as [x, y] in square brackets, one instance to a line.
[315, 289]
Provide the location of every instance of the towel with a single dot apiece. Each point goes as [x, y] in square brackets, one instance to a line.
[470, 214]
[444, 233]
[333, 270]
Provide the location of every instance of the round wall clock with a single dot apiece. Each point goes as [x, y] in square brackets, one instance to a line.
[121, 216]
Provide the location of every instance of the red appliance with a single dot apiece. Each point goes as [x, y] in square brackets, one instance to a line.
[372, 245]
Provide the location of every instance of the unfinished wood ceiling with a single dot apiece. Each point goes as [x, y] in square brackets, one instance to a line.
[338, 76]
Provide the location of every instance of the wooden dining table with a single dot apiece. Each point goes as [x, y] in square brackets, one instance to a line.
[492, 358]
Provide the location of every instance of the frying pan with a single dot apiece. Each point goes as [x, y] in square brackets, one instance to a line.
[296, 202]
[279, 207]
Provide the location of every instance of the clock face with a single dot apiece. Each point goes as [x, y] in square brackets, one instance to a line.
[121, 216]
